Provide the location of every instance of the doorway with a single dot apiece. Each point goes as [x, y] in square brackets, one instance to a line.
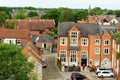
[84, 61]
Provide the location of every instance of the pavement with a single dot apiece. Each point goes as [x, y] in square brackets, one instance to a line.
[88, 74]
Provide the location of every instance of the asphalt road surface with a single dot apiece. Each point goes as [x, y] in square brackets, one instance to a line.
[51, 72]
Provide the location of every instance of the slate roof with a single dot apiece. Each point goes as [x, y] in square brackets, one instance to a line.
[33, 24]
[45, 38]
[85, 29]
[110, 29]
[14, 33]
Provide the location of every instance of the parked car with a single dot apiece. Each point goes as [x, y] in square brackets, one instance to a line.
[105, 74]
[77, 76]
[44, 63]
[102, 69]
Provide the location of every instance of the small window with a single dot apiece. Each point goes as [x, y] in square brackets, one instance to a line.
[0, 40]
[18, 41]
[97, 50]
[97, 42]
[106, 42]
[84, 41]
[106, 50]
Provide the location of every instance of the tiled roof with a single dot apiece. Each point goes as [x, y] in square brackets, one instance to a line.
[33, 24]
[85, 29]
[45, 38]
[14, 33]
[32, 51]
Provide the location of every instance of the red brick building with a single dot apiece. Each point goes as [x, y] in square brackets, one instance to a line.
[14, 36]
[36, 26]
[87, 44]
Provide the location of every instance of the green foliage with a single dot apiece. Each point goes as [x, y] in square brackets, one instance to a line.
[66, 15]
[10, 26]
[117, 39]
[20, 15]
[117, 13]
[110, 12]
[118, 56]
[96, 11]
[3, 17]
[6, 10]
[30, 8]
[52, 14]
[13, 64]
[81, 14]
[52, 34]
[32, 14]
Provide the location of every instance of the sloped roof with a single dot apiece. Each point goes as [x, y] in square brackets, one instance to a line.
[110, 29]
[14, 33]
[33, 24]
[85, 29]
[45, 38]
[32, 51]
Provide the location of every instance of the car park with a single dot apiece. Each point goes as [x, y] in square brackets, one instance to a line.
[102, 69]
[77, 76]
[105, 74]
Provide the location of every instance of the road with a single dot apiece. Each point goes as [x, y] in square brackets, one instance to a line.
[51, 72]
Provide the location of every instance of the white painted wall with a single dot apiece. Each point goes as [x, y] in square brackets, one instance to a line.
[8, 40]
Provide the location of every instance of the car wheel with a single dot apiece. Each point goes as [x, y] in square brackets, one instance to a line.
[101, 76]
[111, 76]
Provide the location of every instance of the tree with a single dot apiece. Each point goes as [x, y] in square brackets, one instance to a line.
[3, 17]
[13, 64]
[66, 15]
[117, 39]
[96, 11]
[79, 15]
[117, 13]
[20, 15]
[52, 14]
[32, 14]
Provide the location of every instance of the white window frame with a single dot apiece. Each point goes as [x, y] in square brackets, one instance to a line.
[84, 52]
[97, 42]
[97, 50]
[73, 56]
[18, 41]
[106, 42]
[10, 41]
[64, 53]
[74, 40]
[105, 51]
[84, 41]
[63, 41]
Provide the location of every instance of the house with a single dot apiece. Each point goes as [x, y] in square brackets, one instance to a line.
[87, 44]
[14, 36]
[36, 26]
[45, 42]
[32, 52]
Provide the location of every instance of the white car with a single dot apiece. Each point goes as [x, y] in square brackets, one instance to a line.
[105, 74]
[102, 69]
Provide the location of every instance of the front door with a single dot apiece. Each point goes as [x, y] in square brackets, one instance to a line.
[84, 61]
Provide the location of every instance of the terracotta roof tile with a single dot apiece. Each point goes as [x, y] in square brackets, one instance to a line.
[14, 33]
[34, 24]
